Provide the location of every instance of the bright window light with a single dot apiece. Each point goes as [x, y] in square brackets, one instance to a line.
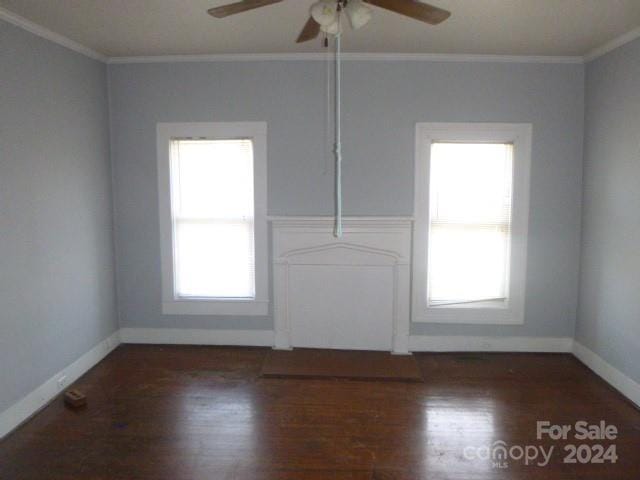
[212, 206]
[469, 224]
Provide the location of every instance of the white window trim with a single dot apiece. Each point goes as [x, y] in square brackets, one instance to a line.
[520, 135]
[256, 131]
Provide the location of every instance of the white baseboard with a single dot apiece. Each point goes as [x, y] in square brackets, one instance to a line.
[424, 343]
[610, 374]
[175, 336]
[42, 395]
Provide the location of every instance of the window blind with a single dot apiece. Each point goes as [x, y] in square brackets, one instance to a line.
[212, 202]
[470, 223]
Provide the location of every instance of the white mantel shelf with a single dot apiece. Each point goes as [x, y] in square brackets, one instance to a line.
[319, 221]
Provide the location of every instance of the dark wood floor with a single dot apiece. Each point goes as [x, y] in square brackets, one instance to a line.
[203, 413]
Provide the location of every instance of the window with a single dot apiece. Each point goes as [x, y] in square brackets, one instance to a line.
[472, 184]
[470, 223]
[213, 218]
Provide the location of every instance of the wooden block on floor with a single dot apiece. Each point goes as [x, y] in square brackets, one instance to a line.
[75, 399]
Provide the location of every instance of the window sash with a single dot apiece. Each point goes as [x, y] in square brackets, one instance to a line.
[497, 296]
[454, 274]
[221, 240]
[239, 282]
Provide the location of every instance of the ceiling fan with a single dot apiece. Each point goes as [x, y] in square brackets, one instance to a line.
[325, 13]
[326, 17]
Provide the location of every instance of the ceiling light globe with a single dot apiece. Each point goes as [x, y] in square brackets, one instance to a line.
[358, 13]
[332, 29]
[325, 12]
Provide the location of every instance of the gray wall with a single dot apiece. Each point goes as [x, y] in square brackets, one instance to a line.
[56, 257]
[383, 101]
[609, 314]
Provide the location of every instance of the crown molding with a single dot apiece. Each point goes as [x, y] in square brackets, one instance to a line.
[612, 45]
[47, 34]
[66, 42]
[384, 57]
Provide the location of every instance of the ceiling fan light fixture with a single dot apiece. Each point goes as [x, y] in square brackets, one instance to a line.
[358, 13]
[334, 28]
[325, 12]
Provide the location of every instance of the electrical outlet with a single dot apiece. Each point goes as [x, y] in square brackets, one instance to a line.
[62, 382]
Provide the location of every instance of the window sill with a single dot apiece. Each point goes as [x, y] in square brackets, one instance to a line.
[486, 305]
[216, 307]
[470, 316]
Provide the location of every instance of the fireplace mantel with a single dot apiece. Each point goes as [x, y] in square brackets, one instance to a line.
[351, 292]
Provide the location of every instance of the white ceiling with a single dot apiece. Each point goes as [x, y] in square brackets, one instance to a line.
[173, 27]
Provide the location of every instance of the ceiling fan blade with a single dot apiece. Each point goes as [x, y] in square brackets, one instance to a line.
[414, 9]
[309, 32]
[239, 7]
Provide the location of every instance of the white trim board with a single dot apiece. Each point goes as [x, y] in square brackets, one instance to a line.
[348, 56]
[424, 343]
[614, 377]
[322, 221]
[612, 45]
[175, 336]
[47, 34]
[34, 401]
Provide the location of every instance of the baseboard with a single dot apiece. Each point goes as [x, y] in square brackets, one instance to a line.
[175, 336]
[42, 395]
[424, 343]
[33, 402]
[610, 374]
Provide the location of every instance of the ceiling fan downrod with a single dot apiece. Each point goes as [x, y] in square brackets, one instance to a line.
[338, 132]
